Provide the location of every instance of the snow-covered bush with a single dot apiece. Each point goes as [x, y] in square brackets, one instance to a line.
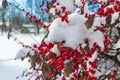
[82, 44]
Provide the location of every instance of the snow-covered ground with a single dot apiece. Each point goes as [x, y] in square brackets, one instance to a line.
[9, 70]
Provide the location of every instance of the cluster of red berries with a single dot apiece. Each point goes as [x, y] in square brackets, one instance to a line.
[34, 19]
[109, 10]
[76, 57]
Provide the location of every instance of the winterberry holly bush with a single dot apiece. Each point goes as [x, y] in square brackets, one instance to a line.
[82, 42]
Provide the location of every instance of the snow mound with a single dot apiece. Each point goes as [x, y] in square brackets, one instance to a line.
[73, 33]
[24, 52]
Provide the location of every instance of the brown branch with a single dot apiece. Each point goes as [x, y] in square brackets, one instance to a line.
[50, 4]
[116, 22]
[113, 58]
[42, 4]
[82, 9]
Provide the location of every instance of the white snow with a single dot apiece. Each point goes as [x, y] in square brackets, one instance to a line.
[55, 50]
[98, 21]
[95, 37]
[117, 45]
[115, 16]
[24, 52]
[72, 33]
[9, 70]
[118, 57]
[78, 3]
[52, 11]
[105, 1]
[66, 3]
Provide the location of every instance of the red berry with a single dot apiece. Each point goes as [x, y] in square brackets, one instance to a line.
[75, 75]
[63, 9]
[111, 76]
[58, 3]
[105, 50]
[60, 62]
[23, 9]
[34, 46]
[46, 10]
[111, 0]
[92, 71]
[43, 44]
[65, 53]
[60, 59]
[52, 63]
[63, 78]
[74, 61]
[50, 45]
[60, 67]
[27, 13]
[115, 71]
[51, 72]
[34, 16]
[67, 57]
[71, 78]
[92, 50]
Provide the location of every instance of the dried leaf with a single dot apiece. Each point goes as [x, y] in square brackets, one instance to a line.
[50, 55]
[82, 76]
[34, 59]
[108, 19]
[45, 70]
[86, 48]
[59, 46]
[89, 22]
[50, 4]
[68, 69]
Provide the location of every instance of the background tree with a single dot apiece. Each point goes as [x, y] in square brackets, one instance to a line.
[34, 7]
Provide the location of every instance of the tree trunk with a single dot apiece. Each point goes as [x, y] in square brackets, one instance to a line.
[37, 29]
[3, 21]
